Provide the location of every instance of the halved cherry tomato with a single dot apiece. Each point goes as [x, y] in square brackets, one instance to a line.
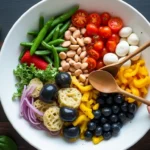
[105, 18]
[111, 46]
[94, 54]
[98, 46]
[94, 18]
[91, 29]
[91, 63]
[105, 32]
[79, 19]
[89, 46]
[115, 24]
[114, 37]
[104, 51]
[99, 64]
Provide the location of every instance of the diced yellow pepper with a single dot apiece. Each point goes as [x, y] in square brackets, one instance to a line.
[121, 76]
[94, 96]
[80, 120]
[140, 83]
[83, 127]
[85, 97]
[82, 136]
[96, 106]
[130, 100]
[97, 140]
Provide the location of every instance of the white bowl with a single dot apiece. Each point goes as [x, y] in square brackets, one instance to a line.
[130, 133]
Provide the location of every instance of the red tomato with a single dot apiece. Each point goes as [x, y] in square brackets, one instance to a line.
[94, 54]
[99, 45]
[91, 63]
[96, 38]
[105, 32]
[104, 51]
[89, 46]
[91, 29]
[99, 64]
[105, 17]
[79, 19]
[95, 19]
[111, 46]
[115, 24]
[114, 37]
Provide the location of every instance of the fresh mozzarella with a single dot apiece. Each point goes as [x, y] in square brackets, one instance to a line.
[133, 39]
[132, 49]
[110, 58]
[126, 64]
[125, 32]
[122, 49]
[123, 39]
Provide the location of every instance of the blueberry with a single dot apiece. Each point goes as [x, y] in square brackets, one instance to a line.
[104, 95]
[120, 124]
[113, 118]
[124, 107]
[115, 109]
[101, 101]
[130, 115]
[98, 131]
[97, 114]
[106, 111]
[115, 128]
[88, 135]
[91, 126]
[97, 121]
[109, 100]
[106, 127]
[119, 98]
[122, 117]
[132, 108]
[107, 135]
[103, 120]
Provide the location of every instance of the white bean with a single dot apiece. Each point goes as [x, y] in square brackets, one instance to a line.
[74, 47]
[72, 69]
[67, 35]
[85, 71]
[72, 62]
[82, 78]
[79, 50]
[62, 55]
[66, 67]
[83, 54]
[72, 29]
[84, 60]
[76, 58]
[73, 41]
[84, 66]
[87, 81]
[68, 59]
[80, 41]
[60, 69]
[76, 34]
[66, 44]
[87, 40]
[78, 72]
[84, 48]
[63, 62]
[83, 30]
[71, 54]
[77, 65]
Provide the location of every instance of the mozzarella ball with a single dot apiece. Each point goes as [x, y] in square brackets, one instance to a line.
[122, 49]
[126, 64]
[125, 32]
[132, 49]
[133, 39]
[123, 39]
[110, 58]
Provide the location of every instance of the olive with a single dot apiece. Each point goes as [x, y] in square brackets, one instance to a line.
[109, 100]
[107, 135]
[119, 98]
[88, 135]
[115, 109]
[104, 95]
[71, 132]
[124, 107]
[115, 128]
[68, 114]
[132, 108]
[122, 117]
[97, 114]
[63, 80]
[114, 118]
[101, 101]
[120, 124]
[106, 111]
[48, 93]
[103, 120]
[106, 127]
[130, 115]
[98, 131]
[91, 126]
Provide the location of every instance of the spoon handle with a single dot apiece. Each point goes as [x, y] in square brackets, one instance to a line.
[134, 97]
[140, 49]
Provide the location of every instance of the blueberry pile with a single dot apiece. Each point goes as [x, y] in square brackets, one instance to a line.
[113, 113]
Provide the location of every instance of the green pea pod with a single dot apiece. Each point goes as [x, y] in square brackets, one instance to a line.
[26, 44]
[41, 23]
[50, 35]
[65, 16]
[64, 28]
[42, 52]
[33, 33]
[56, 33]
[41, 36]
[48, 59]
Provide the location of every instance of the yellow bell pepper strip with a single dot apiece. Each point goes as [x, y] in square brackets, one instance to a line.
[144, 91]
[134, 90]
[81, 88]
[94, 96]
[130, 100]
[80, 120]
[83, 127]
[140, 83]
[96, 106]
[82, 136]
[121, 76]
[85, 97]
[143, 71]
[97, 140]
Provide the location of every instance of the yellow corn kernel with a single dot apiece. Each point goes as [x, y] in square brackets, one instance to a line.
[85, 97]
[96, 106]
[97, 140]
[80, 120]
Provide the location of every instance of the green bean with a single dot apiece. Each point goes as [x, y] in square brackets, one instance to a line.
[22, 53]
[50, 35]
[55, 42]
[56, 33]
[61, 49]
[65, 16]
[64, 28]
[26, 44]
[48, 59]
[41, 36]
[33, 33]
[41, 23]
[42, 52]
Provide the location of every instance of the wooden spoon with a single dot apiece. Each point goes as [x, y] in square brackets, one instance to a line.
[113, 68]
[103, 81]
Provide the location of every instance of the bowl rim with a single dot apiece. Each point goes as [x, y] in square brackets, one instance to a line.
[5, 41]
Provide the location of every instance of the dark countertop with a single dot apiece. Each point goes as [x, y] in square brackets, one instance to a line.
[10, 11]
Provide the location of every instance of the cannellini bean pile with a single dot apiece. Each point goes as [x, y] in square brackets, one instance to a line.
[74, 60]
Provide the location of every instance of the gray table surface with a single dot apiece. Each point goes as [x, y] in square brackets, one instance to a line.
[10, 11]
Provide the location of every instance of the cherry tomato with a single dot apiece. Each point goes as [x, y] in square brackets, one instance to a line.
[115, 24]
[99, 45]
[95, 19]
[79, 19]
[104, 51]
[91, 63]
[105, 17]
[99, 64]
[96, 38]
[105, 32]
[91, 29]
[94, 54]
[111, 46]
[89, 46]
[114, 37]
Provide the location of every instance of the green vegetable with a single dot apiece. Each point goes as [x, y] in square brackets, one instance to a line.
[55, 42]
[41, 23]
[48, 59]
[41, 36]
[50, 35]
[56, 33]
[65, 16]
[33, 33]
[26, 44]
[42, 52]
[61, 49]
[64, 28]
[7, 143]
[25, 73]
